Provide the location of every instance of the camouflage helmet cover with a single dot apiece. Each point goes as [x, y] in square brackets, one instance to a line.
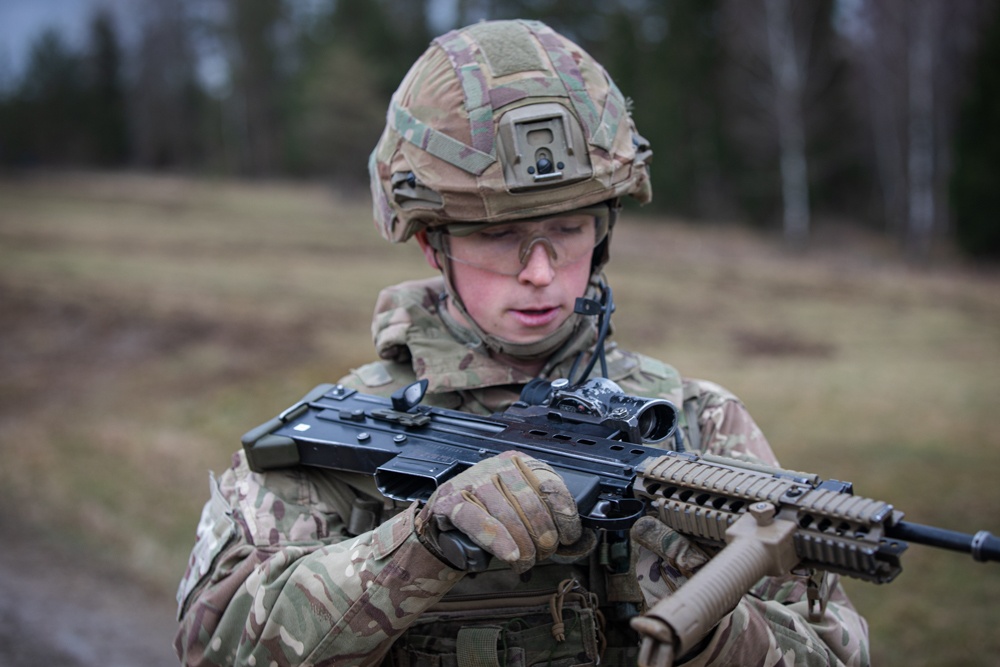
[499, 121]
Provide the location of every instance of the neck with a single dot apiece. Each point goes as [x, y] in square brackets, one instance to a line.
[529, 368]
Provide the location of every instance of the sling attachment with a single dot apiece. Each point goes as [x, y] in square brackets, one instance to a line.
[558, 599]
[818, 594]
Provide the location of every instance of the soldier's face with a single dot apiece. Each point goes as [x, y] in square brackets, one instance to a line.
[521, 308]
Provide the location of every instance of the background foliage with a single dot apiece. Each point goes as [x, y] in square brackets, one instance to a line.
[770, 112]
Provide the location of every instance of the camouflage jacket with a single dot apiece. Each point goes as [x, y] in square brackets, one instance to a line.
[277, 578]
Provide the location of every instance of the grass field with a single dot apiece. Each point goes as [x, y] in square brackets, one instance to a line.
[146, 323]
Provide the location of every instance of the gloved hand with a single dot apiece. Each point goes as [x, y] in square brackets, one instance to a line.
[668, 555]
[512, 505]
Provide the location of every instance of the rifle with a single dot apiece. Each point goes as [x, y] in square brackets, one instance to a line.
[762, 521]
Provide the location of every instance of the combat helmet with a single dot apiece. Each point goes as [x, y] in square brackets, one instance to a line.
[498, 121]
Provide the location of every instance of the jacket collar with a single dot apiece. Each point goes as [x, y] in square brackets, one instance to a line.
[408, 327]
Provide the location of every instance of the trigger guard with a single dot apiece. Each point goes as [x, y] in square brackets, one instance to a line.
[614, 513]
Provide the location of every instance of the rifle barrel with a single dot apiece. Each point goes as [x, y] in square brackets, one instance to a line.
[983, 545]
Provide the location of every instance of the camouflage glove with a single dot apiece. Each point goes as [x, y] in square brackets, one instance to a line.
[677, 558]
[512, 505]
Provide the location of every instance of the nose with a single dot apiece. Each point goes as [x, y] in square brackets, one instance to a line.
[538, 269]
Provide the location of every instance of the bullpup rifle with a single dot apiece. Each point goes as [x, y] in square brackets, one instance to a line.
[622, 457]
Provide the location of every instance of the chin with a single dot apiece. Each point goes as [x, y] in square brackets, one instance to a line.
[530, 338]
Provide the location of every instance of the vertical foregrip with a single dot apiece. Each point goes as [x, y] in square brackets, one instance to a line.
[757, 548]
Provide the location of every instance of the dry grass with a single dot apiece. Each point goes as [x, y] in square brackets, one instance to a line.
[145, 323]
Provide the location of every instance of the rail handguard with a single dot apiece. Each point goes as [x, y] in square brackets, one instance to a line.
[762, 521]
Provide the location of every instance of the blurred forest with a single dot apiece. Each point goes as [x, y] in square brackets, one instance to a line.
[777, 113]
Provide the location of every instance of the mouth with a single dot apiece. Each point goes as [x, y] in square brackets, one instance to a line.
[536, 317]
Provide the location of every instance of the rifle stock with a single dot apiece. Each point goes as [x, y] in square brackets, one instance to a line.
[763, 521]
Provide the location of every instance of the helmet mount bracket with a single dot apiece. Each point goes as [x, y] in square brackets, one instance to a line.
[540, 147]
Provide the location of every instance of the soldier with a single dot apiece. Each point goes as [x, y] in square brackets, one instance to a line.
[506, 152]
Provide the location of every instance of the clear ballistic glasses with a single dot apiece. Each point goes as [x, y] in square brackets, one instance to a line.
[505, 247]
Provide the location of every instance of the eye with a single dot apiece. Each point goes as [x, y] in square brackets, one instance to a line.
[496, 234]
[570, 229]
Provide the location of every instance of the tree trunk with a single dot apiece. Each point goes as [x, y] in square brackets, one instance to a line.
[786, 72]
[920, 160]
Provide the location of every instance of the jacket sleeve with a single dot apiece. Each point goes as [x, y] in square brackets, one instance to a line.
[275, 580]
[770, 625]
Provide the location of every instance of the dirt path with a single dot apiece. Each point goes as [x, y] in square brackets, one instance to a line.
[57, 610]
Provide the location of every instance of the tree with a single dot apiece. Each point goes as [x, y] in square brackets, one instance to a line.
[910, 54]
[50, 127]
[339, 124]
[787, 64]
[69, 108]
[975, 195]
[350, 62]
[783, 90]
[388, 35]
[255, 29]
[923, 19]
[668, 59]
[167, 104]
[107, 116]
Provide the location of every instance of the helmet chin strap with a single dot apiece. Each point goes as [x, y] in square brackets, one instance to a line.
[602, 307]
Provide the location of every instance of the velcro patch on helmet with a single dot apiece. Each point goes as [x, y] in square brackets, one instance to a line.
[507, 47]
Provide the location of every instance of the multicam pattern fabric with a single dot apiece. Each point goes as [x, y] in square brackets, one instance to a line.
[442, 130]
[277, 579]
[466, 50]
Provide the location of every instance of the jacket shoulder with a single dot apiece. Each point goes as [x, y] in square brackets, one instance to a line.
[379, 377]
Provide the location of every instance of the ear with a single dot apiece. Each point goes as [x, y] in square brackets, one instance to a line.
[430, 254]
